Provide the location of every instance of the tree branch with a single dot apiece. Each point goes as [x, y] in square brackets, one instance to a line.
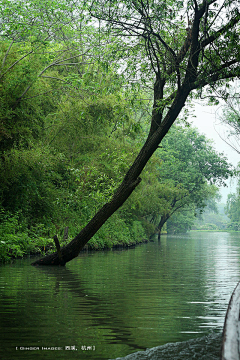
[214, 78]
[222, 31]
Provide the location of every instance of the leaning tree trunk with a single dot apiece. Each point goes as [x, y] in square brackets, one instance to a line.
[164, 218]
[129, 183]
[71, 250]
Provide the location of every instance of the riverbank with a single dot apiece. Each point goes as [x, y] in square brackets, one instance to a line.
[18, 238]
[21, 245]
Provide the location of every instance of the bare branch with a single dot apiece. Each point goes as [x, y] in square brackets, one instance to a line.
[217, 76]
[16, 62]
[228, 143]
[7, 52]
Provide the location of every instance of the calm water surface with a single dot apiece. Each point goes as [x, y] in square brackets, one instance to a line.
[171, 297]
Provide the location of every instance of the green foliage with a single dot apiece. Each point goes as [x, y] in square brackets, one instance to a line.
[29, 182]
[181, 222]
[233, 210]
[22, 121]
[234, 226]
[62, 152]
[118, 232]
[16, 239]
[10, 244]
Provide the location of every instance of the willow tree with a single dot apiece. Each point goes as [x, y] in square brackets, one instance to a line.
[180, 49]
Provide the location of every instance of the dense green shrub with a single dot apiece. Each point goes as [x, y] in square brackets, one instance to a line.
[16, 240]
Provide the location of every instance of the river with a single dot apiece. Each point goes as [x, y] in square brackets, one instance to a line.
[170, 298]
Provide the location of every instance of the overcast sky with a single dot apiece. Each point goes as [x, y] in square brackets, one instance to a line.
[208, 123]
